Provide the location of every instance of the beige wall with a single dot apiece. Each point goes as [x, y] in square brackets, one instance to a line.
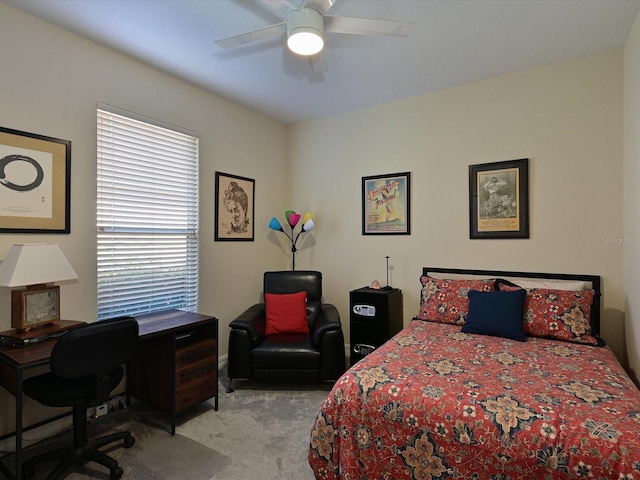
[566, 118]
[631, 168]
[50, 83]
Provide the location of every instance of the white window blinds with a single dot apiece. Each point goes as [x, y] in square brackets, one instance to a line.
[147, 216]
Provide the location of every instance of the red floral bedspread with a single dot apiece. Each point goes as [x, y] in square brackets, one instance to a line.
[436, 403]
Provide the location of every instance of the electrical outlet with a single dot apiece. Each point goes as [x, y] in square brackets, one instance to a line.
[102, 410]
[117, 403]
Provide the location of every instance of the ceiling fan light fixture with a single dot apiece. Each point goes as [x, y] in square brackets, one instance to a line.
[305, 42]
[305, 29]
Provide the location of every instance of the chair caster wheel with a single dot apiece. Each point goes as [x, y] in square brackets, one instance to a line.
[115, 473]
[129, 442]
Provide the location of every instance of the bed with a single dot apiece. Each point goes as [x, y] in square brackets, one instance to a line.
[452, 397]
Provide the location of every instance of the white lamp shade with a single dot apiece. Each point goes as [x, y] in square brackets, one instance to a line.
[308, 225]
[33, 264]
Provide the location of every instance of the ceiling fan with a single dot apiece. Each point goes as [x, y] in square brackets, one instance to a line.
[306, 25]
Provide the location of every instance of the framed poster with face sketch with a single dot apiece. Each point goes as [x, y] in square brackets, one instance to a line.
[234, 208]
[499, 199]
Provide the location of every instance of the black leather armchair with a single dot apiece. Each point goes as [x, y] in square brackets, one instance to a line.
[318, 355]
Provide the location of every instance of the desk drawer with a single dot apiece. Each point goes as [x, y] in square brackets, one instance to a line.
[189, 354]
[196, 383]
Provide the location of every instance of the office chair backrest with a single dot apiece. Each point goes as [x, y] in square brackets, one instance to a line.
[95, 348]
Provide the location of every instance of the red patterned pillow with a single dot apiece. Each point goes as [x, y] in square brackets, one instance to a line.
[446, 300]
[286, 313]
[559, 314]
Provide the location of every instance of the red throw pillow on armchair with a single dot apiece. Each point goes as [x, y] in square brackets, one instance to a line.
[286, 313]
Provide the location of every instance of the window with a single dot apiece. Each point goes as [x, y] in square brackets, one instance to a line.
[147, 215]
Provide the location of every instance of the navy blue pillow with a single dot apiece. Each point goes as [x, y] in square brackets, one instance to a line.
[496, 313]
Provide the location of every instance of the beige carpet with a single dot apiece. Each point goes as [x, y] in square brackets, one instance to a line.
[260, 431]
[156, 455]
[263, 427]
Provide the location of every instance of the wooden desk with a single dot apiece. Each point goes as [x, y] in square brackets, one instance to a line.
[176, 365]
[14, 361]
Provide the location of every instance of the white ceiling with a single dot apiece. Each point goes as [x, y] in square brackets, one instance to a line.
[454, 42]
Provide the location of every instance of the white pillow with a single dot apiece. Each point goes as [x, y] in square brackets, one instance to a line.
[549, 284]
[527, 283]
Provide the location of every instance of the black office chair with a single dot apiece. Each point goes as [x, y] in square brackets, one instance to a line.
[86, 365]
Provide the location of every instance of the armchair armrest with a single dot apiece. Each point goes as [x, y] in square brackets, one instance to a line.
[328, 320]
[246, 331]
[328, 337]
[252, 320]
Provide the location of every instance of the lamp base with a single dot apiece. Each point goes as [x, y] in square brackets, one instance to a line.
[35, 306]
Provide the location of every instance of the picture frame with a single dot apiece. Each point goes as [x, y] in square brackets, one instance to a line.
[499, 199]
[386, 204]
[35, 183]
[35, 306]
[235, 206]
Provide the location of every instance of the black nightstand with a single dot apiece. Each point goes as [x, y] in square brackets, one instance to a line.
[375, 316]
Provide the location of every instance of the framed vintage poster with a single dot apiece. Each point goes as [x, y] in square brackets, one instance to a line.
[386, 204]
[234, 207]
[35, 183]
[499, 199]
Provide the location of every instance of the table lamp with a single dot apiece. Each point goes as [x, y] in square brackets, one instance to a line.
[35, 266]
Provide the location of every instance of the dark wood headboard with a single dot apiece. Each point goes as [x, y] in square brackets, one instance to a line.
[594, 280]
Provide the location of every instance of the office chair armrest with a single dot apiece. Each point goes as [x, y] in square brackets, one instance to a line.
[252, 320]
[328, 321]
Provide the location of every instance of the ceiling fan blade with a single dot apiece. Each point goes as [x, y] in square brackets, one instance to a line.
[279, 7]
[366, 26]
[318, 63]
[260, 34]
[321, 6]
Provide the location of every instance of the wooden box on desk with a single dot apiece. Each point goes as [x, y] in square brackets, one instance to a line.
[35, 306]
